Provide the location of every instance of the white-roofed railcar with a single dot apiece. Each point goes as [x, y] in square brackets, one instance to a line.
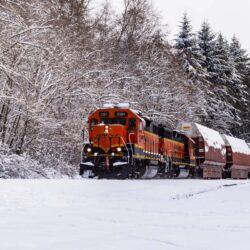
[210, 150]
[238, 157]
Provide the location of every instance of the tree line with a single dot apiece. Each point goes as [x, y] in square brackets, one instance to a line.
[223, 68]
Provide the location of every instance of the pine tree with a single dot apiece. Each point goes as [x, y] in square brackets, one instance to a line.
[185, 37]
[239, 87]
[222, 66]
[206, 43]
[189, 51]
[221, 113]
[240, 57]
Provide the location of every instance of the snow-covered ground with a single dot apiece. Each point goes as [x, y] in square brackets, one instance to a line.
[131, 214]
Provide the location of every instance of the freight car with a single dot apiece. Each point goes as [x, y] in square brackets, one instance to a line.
[210, 149]
[238, 157]
[125, 144]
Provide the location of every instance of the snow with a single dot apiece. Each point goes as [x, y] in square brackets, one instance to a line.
[132, 214]
[123, 105]
[237, 145]
[23, 166]
[212, 137]
[135, 111]
[108, 105]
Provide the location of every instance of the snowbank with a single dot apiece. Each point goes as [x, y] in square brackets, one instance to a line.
[22, 166]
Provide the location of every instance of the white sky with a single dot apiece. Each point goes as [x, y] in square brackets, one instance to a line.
[228, 16]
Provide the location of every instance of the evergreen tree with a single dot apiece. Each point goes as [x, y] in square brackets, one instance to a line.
[240, 57]
[185, 37]
[222, 66]
[221, 112]
[206, 43]
[189, 51]
[240, 87]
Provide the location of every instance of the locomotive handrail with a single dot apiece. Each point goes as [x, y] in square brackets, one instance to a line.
[126, 148]
[129, 138]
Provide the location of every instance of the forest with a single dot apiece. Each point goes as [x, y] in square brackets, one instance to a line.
[61, 59]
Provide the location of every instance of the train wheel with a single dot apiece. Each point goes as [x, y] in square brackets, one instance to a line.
[123, 172]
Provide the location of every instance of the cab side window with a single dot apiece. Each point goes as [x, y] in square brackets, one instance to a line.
[93, 122]
[131, 123]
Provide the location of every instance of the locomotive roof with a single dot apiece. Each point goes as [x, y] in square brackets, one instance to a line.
[125, 106]
[137, 113]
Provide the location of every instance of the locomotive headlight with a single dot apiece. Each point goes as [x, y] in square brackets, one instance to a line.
[119, 149]
[88, 150]
[95, 154]
[106, 129]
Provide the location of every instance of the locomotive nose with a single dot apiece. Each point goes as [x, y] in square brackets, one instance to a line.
[108, 137]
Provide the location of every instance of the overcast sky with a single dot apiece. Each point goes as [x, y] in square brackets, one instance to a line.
[228, 16]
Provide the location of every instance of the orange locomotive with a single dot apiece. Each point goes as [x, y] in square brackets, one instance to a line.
[124, 144]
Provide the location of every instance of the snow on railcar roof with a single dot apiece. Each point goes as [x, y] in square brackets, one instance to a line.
[212, 137]
[238, 145]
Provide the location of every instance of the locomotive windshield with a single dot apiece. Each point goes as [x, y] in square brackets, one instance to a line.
[107, 121]
[121, 121]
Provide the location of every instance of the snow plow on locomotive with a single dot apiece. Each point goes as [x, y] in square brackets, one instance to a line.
[125, 144]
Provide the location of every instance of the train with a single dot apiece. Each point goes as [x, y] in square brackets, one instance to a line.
[123, 143]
